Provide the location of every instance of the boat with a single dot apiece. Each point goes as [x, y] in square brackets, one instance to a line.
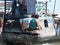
[16, 33]
[46, 22]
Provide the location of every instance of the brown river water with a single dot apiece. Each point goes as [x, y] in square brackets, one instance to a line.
[54, 43]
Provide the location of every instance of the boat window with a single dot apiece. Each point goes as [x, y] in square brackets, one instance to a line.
[45, 23]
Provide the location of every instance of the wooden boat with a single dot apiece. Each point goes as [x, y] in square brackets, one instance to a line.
[46, 22]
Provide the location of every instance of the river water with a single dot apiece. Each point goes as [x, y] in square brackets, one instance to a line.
[55, 43]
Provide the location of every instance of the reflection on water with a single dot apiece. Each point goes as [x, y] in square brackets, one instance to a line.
[55, 43]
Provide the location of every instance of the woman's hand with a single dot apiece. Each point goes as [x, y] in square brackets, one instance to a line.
[38, 24]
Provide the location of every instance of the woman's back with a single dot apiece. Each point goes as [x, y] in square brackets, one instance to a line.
[33, 23]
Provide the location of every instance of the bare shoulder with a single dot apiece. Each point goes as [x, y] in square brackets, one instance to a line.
[37, 20]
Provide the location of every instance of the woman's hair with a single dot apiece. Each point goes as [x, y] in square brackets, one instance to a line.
[35, 15]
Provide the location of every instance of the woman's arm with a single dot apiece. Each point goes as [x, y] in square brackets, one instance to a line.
[38, 24]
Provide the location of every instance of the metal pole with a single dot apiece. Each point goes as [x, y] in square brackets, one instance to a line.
[54, 13]
[49, 0]
[54, 7]
[5, 7]
[46, 7]
[4, 13]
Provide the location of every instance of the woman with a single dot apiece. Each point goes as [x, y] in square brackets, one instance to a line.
[35, 24]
